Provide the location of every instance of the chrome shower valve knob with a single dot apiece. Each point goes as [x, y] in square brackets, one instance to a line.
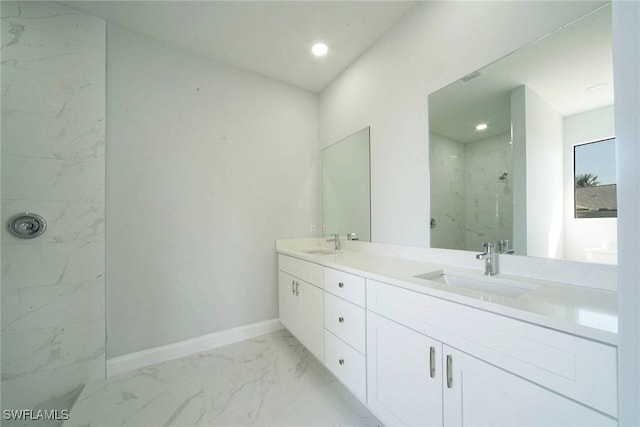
[27, 225]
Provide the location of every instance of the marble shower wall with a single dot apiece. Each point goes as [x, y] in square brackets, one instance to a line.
[468, 201]
[489, 204]
[53, 163]
[448, 192]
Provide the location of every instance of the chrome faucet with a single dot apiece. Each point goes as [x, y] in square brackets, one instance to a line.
[489, 259]
[336, 240]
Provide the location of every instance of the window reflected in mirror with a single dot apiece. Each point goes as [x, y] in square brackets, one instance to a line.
[595, 179]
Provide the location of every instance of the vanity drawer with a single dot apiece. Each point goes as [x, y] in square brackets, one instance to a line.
[345, 285]
[307, 271]
[581, 369]
[346, 364]
[345, 320]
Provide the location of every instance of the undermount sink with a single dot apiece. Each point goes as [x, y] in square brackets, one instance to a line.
[493, 285]
[319, 251]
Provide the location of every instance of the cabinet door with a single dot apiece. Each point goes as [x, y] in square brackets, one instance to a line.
[480, 394]
[403, 389]
[311, 318]
[289, 306]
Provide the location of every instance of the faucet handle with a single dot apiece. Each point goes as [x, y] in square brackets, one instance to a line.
[488, 247]
[503, 247]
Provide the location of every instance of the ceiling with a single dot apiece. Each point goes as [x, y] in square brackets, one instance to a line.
[559, 68]
[272, 38]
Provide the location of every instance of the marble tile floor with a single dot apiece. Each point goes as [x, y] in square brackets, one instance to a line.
[267, 381]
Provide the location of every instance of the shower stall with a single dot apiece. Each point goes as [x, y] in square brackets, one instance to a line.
[53, 195]
[471, 191]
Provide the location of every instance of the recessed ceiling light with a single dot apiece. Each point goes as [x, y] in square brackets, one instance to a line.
[319, 49]
[481, 126]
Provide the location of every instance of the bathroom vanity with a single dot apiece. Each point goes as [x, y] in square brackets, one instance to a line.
[420, 351]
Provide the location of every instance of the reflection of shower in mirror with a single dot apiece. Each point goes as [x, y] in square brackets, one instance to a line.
[504, 178]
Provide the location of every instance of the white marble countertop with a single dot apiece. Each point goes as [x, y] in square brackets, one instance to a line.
[587, 312]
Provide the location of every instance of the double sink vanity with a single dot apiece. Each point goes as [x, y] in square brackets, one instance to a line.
[422, 343]
[427, 336]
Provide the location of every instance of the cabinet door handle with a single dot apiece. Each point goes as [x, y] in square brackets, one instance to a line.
[340, 285]
[341, 319]
[432, 362]
[293, 289]
[449, 371]
[341, 361]
[297, 284]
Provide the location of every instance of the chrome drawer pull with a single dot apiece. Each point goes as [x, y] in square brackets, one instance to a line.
[340, 285]
[297, 284]
[341, 319]
[341, 361]
[449, 372]
[293, 289]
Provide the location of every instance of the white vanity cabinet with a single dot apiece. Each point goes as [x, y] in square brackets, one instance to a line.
[301, 300]
[415, 380]
[345, 329]
[480, 394]
[489, 369]
[419, 359]
[404, 373]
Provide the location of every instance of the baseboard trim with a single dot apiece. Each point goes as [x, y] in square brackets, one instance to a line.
[129, 362]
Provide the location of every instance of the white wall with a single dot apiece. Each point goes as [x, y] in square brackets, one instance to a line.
[207, 165]
[581, 233]
[387, 89]
[538, 175]
[545, 183]
[53, 164]
[626, 69]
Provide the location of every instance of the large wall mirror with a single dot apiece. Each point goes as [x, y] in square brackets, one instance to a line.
[502, 142]
[346, 194]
